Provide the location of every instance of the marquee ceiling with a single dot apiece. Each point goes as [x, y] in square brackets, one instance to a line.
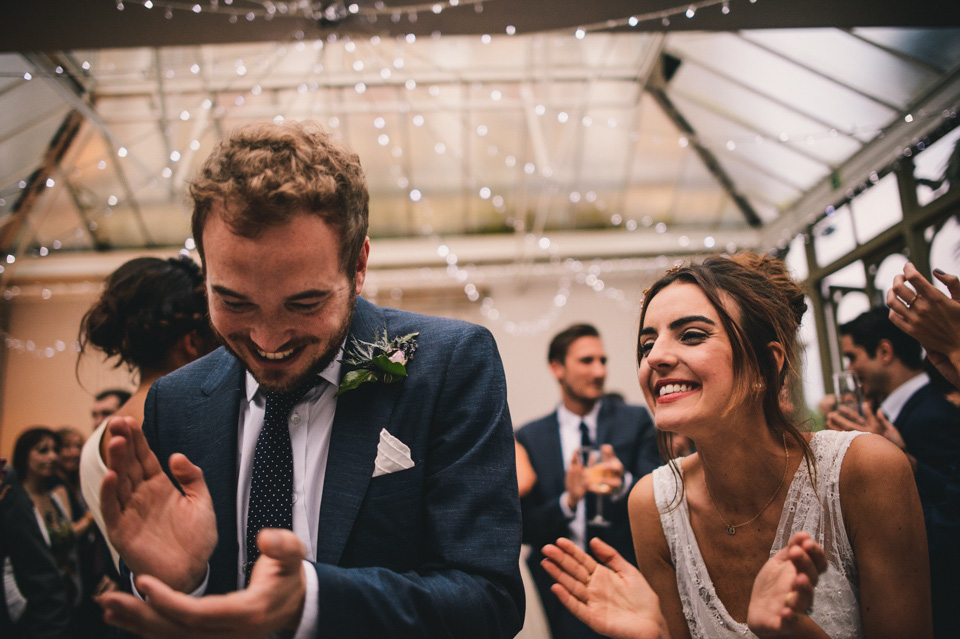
[520, 131]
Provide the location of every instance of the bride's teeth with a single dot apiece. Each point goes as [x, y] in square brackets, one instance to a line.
[275, 356]
[667, 389]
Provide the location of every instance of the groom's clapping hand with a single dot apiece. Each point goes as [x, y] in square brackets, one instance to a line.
[157, 530]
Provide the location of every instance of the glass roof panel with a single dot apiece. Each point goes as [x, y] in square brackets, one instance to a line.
[937, 47]
[730, 141]
[808, 93]
[852, 61]
[775, 121]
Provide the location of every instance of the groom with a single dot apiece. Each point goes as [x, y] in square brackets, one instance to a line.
[399, 491]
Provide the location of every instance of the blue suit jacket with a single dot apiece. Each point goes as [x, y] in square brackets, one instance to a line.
[930, 427]
[630, 430]
[430, 551]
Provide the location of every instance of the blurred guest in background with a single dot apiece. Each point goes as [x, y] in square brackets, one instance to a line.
[106, 403]
[97, 572]
[35, 461]
[560, 503]
[33, 601]
[933, 318]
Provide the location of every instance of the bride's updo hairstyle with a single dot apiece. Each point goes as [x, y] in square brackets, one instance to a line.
[758, 303]
[146, 306]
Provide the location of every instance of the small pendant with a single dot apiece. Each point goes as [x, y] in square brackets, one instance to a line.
[731, 530]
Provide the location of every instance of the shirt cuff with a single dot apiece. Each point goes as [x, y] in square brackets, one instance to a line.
[565, 506]
[624, 487]
[202, 588]
[311, 604]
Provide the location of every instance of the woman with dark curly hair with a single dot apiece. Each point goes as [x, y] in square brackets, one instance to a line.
[152, 318]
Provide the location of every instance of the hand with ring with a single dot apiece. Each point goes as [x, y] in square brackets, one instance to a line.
[930, 317]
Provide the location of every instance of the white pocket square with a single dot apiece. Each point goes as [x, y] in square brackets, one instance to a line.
[392, 455]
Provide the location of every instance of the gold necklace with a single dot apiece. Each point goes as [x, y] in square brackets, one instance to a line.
[732, 530]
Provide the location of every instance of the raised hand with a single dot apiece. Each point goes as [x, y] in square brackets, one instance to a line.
[846, 418]
[783, 589]
[613, 599]
[575, 480]
[157, 530]
[273, 601]
[929, 316]
[612, 474]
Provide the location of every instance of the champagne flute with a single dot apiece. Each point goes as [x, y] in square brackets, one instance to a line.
[595, 473]
[847, 391]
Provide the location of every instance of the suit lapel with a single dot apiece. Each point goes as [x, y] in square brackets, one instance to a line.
[213, 435]
[360, 415]
[554, 453]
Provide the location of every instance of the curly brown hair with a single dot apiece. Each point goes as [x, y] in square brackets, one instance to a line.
[265, 174]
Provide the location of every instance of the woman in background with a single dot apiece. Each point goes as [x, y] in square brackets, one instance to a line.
[35, 459]
[151, 317]
[732, 540]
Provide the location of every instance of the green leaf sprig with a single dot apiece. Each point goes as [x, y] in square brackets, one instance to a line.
[382, 360]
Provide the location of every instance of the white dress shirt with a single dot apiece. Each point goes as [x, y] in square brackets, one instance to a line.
[569, 444]
[894, 402]
[311, 423]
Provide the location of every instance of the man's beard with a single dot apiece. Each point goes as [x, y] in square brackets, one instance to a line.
[580, 397]
[324, 360]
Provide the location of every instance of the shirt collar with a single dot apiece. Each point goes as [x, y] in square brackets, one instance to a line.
[330, 374]
[569, 419]
[893, 404]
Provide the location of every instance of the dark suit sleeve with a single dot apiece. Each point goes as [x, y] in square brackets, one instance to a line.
[543, 518]
[47, 614]
[931, 431]
[466, 582]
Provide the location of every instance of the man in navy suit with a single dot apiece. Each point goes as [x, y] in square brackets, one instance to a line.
[405, 516]
[559, 505]
[889, 365]
[915, 416]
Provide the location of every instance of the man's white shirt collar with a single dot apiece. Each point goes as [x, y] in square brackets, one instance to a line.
[570, 421]
[893, 404]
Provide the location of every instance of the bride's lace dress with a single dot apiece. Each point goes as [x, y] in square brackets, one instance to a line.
[836, 606]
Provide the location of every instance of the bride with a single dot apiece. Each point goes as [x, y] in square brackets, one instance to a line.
[766, 530]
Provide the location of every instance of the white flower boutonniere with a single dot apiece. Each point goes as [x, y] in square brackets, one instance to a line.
[382, 360]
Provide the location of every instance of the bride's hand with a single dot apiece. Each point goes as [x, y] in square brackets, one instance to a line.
[783, 590]
[613, 599]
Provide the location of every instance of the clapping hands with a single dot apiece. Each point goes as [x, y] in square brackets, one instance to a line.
[158, 530]
[611, 597]
[783, 590]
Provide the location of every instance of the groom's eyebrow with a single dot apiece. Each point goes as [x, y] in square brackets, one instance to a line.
[223, 290]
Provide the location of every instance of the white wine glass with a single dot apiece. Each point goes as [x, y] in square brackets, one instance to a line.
[847, 391]
[596, 472]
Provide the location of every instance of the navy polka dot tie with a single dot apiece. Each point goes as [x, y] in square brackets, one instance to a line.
[271, 485]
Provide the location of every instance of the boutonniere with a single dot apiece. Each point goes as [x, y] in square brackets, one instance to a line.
[382, 360]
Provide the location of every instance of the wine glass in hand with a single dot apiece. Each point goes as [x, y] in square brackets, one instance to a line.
[847, 391]
[595, 472]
